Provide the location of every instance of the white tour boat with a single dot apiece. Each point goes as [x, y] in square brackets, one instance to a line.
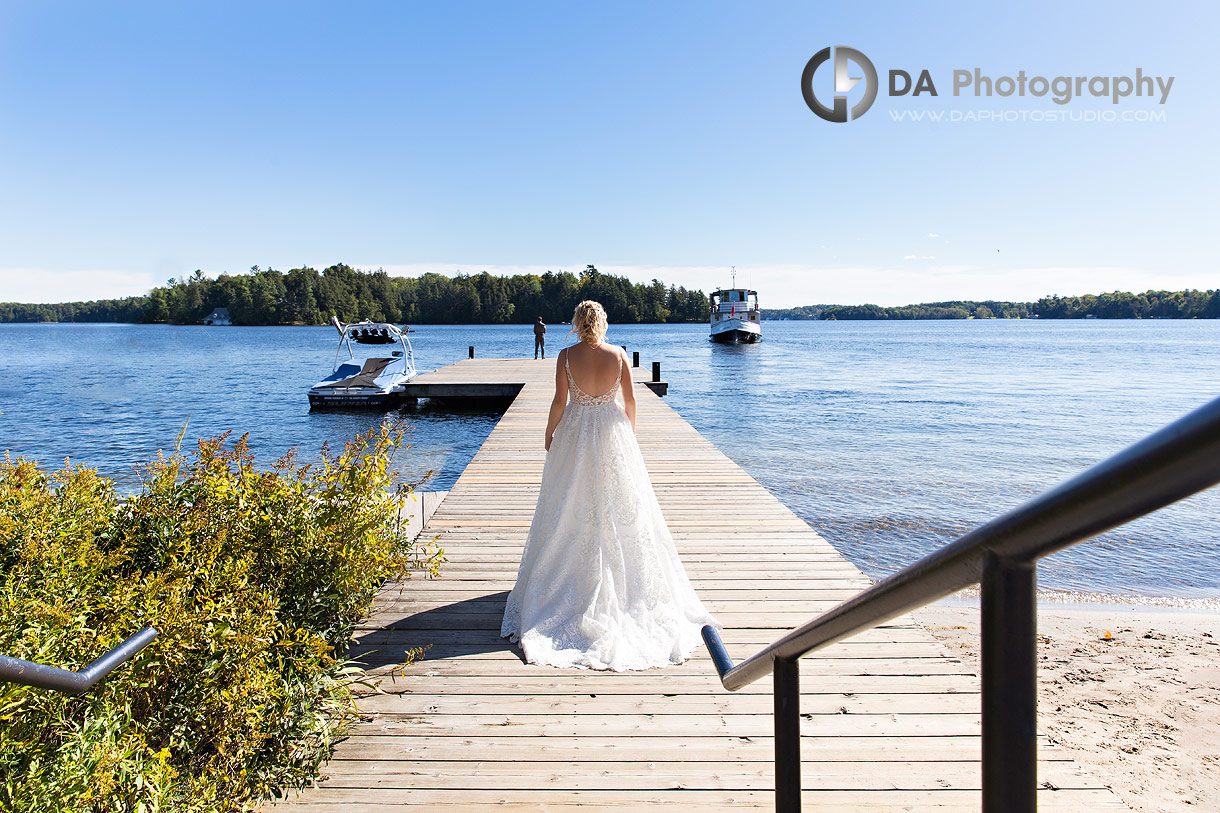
[370, 382]
[735, 316]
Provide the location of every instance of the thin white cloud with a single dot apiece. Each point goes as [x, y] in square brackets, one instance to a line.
[953, 269]
[40, 285]
[789, 285]
[779, 285]
[930, 234]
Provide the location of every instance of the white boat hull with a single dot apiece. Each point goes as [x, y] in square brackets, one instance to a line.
[736, 331]
[322, 397]
[355, 397]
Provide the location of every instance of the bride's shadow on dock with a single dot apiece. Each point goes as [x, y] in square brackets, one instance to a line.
[466, 628]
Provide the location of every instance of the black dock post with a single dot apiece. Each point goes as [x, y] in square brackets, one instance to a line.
[472, 351]
[635, 359]
[656, 371]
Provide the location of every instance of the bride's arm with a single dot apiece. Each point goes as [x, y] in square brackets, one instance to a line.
[560, 400]
[628, 390]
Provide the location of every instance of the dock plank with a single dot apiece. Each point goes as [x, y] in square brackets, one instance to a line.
[889, 720]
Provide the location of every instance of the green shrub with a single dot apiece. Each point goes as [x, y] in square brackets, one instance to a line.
[253, 578]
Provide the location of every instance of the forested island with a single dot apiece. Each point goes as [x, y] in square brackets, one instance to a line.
[310, 297]
[305, 296]
[1117, 305]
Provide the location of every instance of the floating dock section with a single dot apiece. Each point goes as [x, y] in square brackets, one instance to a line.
[889, 720]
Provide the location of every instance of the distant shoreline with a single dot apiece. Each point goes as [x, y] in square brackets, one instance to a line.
[1150, 305]
[305, 296]
[691, 322]
[766, 318]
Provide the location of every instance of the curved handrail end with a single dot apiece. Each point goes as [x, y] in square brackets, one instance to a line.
[715, 648]
[43, 676]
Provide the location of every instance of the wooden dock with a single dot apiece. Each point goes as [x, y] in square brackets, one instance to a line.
[889, 720]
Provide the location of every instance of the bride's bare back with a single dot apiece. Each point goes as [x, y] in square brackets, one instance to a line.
[594, 368]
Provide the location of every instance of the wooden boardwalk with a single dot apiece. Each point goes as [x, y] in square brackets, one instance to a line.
[889, 720]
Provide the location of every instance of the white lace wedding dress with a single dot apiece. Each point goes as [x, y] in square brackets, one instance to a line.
[600, 584]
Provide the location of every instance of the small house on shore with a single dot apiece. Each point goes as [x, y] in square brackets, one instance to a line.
[218, 318]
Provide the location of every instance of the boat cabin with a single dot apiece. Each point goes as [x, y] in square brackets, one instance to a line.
[734, 303]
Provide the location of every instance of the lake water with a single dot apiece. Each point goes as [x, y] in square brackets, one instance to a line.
[889, 438]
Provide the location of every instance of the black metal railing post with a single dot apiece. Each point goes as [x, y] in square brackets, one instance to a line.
[1008, 621]
[1181, 459]
[787, 688]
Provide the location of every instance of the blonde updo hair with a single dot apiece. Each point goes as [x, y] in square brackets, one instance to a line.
[589, 322]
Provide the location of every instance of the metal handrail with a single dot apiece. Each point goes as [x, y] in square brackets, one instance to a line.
[42, 676]
[1179, 460]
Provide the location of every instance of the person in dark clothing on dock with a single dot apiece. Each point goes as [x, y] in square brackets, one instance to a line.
[539, 338]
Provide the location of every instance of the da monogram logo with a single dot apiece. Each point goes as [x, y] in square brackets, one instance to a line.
[842, 83]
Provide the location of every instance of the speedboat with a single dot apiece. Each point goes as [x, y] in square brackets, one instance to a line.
[734, 317]
[371, 382]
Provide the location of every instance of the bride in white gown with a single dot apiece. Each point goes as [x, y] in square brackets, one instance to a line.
[600, 584]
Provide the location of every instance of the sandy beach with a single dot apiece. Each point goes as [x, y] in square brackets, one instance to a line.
[1131, 692]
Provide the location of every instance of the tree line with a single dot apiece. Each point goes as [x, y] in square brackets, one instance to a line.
[311, 297]
[1190, 304]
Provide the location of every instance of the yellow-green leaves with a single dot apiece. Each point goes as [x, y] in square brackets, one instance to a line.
[255, 580]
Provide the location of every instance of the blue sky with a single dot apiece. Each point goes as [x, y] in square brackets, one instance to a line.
[140, 141]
